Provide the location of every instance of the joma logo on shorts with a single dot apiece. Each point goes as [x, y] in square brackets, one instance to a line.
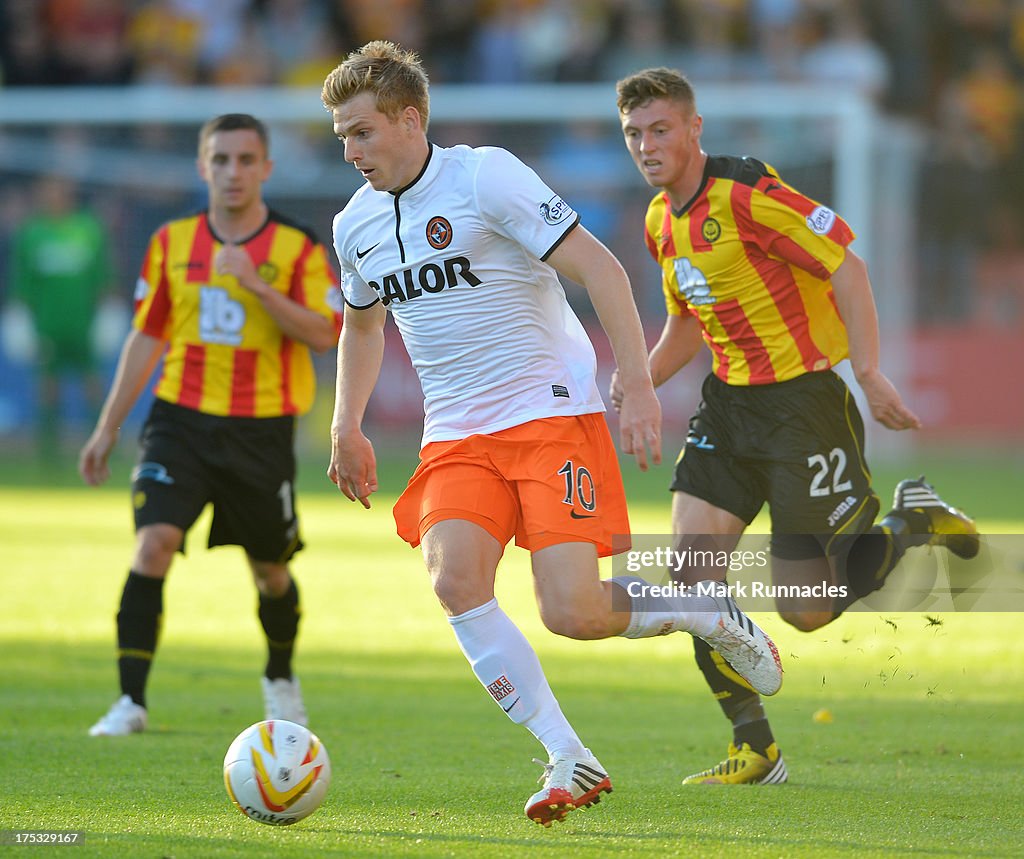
[410, 283]
[844, 505]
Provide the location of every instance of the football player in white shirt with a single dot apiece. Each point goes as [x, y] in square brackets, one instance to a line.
[462, 245]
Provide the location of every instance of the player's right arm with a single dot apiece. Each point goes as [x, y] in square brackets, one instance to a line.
[852, 290]
[585, 260]
[353, 465]
[680, 340]
[139, 357]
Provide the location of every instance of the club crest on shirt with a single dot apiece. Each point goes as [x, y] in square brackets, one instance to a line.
[439, 232]
[555, 210]
[267, 272]
[711, 230]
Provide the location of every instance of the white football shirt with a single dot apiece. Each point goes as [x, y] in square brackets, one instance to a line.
[458, 257]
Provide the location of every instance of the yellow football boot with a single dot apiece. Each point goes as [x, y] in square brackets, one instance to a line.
[744, 766]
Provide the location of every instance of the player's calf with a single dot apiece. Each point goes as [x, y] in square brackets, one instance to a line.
[806, 621]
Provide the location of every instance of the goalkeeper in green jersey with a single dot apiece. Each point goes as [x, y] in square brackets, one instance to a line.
[60, 268]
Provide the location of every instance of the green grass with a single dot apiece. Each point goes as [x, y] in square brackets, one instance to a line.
[923, 757]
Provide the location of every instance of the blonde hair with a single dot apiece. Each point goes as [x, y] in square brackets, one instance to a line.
[643, 87]
[394, 76]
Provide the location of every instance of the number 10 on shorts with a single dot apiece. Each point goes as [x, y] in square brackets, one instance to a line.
[579, 486]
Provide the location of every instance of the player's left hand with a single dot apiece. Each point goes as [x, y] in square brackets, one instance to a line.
[887, 407]
[235, 260]
[640, 425]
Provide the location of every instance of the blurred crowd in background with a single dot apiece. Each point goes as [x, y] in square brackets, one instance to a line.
[953, 70]
[915, 56]
[909, 53]
[955, 67]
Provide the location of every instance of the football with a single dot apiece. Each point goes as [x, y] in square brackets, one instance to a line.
[277, 772]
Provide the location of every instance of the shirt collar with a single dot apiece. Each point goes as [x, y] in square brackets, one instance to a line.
[430, 167]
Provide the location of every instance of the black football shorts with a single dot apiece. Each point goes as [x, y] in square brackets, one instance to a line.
[797, 445]
[244, 467]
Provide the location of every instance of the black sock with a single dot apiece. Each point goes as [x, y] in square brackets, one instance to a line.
[138, 628]
[757, 734]
[741, 704]
[874, 554]
[280, 619]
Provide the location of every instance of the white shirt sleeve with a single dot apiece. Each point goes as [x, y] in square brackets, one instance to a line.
[357, 292]
[516, 203]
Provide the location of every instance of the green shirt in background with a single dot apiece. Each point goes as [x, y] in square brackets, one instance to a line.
[60, 266]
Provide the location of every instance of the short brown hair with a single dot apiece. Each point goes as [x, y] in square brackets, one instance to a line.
[394, 76]
[645, 86]
[234, 122]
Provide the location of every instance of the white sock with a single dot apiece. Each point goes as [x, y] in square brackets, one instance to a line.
[506, 665]
[664, 613]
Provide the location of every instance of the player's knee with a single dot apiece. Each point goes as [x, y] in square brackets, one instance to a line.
[806, 621]
[271, 580]
[459, 594]
[573, 624]
[154, 549]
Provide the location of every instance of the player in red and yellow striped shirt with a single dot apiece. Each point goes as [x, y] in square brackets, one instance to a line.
[227, 354]
[772, 314]
[765, 277]
[232, 299]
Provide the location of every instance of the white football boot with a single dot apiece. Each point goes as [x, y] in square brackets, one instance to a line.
[124, 717]
[282, 699]
[569, 783]
[744, 645]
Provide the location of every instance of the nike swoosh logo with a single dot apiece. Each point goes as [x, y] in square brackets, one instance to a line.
[576, 515]
[510, 706]
[360, 254]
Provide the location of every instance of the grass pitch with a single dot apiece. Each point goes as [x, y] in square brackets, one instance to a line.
[923, 756]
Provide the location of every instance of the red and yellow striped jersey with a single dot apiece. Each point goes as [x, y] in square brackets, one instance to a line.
[226, 355]
[751, 258]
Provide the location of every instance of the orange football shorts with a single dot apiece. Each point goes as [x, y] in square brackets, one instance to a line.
[548, 481]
